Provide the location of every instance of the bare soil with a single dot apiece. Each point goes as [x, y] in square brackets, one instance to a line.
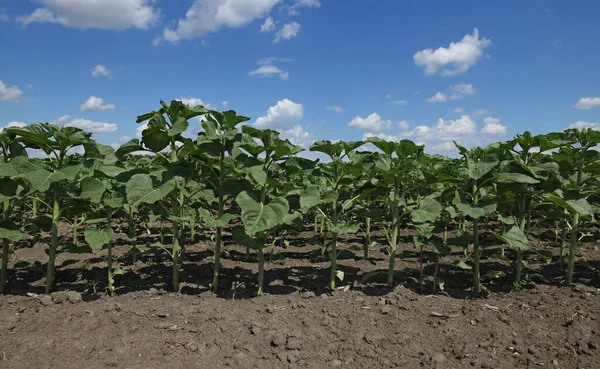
[299, 323]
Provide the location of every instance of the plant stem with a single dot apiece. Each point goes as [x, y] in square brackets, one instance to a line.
[333, 256]
[53, 246]
[421, 268]
[367, 237]
[563, 241]
[573, 248]
[476, 256]
[261, 270]
[3, 275]
[221, 210]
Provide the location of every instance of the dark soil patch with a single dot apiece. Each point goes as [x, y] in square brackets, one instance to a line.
[299, 323]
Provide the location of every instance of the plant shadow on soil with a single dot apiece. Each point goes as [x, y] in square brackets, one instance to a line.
[299, 267]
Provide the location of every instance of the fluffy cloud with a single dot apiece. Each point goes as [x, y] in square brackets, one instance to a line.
[439, 97]
[371, 123]
[298, 136]
[588, 103]
[13, 124]
[105, 14]
[86, 125]
[443, 130]
[462, 90]
[493, 127]
[293, 10]
[403, 125]
[269, 25]
[583, 124]
[455, 59]
[96, 104]
[479, 113]
[281, 116]
[10, 93]
[458, 110]
[4, 18]
[398, 102]
[101, 71]
[335, 108]
[270, 71]
[288, 31]
[206, 16]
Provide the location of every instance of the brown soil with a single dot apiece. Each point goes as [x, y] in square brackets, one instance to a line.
[300, 324]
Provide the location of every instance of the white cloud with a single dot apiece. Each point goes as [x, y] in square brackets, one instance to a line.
[270, 71]
[157, 41]
[96, 104]
[269, 25]
[281, 116]
[443, 130]
[403, 125]
[372, 123]
[10, 93]
[140, 129]
[288, 31]
[439, 97]
[270, 60]
[224, 104]
[444, 147]
[479, 113]
[493, 127]
[4, 18]
[13, 124]
[455, 59]
[194, 101]
[336, 108]
[298, 136]
[458, 110]
[101, 71]
[105, 14]
[293, 10]
[206, 16]
[583, 124]
[462, 90]
[588, 103]
[399, 102]
[124, 139]
[86, 125]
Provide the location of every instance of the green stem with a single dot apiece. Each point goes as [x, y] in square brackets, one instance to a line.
[261, 270]
[367, 237]
[421, 268]
[3, 275]
[35, 207]
[476, 256]
[519, 267]
[573, 248]
[435, 273]
[563, 241]
[221, 211]
[53, 246]
[333, 256]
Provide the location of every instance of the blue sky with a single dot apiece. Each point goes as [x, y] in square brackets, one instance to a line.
[430, 71]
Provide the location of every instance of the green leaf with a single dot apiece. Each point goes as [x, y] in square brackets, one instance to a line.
[344, 228]
[368, 276]
[546, 255]
[462, 265]
[428, 211]
[140, 190]
[340, 275]
[257, 173]
[129, 147]
[240, 235]
[42, 179]
[219, 222]
[179, 126]
[155, 138]
[516, 178]
[8, 231]
[97, 238]
[495, 274]
[258, 217]
[515, 239]
[92, 189]
[581, 206]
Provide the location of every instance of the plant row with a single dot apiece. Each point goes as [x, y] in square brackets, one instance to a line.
[253, 183]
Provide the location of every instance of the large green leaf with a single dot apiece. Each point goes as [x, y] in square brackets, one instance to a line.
[140, 190]
[97, 238]
[155, 138]
[92, 189]
[258, 217]
[311, 196]
[516, 178]
[9, 231]
[581, 206]
[240, 235]
[515, 239]
[41, 179]
[179, 126]
[428, 211]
